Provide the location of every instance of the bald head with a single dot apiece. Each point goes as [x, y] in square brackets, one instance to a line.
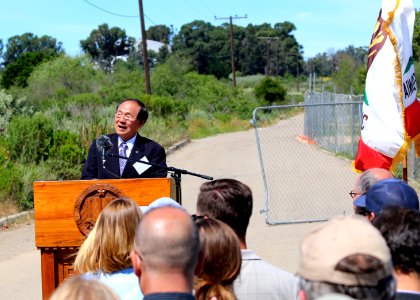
[369, 178]
[167, 239]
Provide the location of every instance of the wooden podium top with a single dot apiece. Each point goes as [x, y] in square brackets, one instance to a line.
[65, 210]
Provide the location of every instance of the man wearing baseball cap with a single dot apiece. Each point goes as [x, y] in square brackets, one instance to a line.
[348, 256]
[386, 192]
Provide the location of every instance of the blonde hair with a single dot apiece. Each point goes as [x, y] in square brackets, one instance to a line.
[222, 260]
[80, 288]
[108, 246]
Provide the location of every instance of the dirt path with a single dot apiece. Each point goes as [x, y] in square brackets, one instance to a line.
[232, 155]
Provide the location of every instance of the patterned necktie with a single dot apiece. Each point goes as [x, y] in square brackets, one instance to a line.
[123, 152]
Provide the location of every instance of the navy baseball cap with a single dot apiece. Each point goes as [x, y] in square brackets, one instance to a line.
[388, 192]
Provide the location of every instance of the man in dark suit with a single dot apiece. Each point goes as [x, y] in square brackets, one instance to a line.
[130, 116]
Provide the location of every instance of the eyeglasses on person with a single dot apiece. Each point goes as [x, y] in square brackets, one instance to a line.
[353, 194]
[126, 117]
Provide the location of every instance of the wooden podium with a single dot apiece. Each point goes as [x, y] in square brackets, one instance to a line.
[65, 212]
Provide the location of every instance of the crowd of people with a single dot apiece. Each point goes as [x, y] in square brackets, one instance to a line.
[163, 252]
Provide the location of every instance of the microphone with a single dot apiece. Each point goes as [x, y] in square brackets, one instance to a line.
[103, 144]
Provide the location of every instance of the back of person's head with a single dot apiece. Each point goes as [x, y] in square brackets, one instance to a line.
[222, 260]
[108, 246]
[167, 241]
[369, 177]
[80, 288]
[227, 200]
[346, 255]
[401, 229]
[388, 192]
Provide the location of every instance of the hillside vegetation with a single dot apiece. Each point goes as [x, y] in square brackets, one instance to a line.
[48, 125]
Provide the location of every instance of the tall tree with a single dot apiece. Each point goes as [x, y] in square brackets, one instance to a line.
[105, 44]
[257, 48]
[28, 42]
[250, 52]
[321, 65]
[345, 78]
[18, 72]
[416, 37]
[282, 52]
[161, 33]
[193, 40]
[1, 47]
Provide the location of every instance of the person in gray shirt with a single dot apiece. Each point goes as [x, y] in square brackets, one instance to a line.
[230, 201]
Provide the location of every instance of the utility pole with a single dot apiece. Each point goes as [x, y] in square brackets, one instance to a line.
[144, 46]
[268, 39]
[232, 45]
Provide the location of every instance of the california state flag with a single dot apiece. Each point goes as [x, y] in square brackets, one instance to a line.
[391, 110]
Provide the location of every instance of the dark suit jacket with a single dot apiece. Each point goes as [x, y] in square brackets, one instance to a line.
[154, 152]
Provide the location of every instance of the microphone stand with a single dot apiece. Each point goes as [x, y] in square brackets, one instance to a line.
[175, 173]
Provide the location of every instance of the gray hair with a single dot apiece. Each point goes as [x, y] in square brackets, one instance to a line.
[370, 177]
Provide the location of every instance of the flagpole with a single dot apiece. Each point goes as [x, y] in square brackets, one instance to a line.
[404, 170]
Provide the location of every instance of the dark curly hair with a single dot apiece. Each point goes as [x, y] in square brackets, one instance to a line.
[401, 229]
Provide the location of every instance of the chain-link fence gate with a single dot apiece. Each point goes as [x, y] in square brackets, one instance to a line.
[303, 157]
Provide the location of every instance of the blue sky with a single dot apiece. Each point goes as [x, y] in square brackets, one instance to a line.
[322, 25]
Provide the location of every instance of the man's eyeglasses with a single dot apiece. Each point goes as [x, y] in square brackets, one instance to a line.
[353, 194]
[126, 117]
[197, 218]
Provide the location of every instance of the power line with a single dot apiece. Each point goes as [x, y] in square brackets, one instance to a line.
[210, 10]
[116, 14]
[200, 12]
[150, 20]
[110, 12]
[164, 10]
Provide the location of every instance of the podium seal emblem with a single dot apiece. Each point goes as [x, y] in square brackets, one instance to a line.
[90, 203]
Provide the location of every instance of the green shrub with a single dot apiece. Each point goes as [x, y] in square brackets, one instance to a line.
[271, 90]
[167, 79]
[30, 138]
[4, 154]
[18, 72]
[67, 147]
[118, 91]
[249, 81]
[10, 183]
[164, 106]
[63, 169]
[55, 80]
[11, 106]
[202, 124]
[205, 92]
[85, 99]
[28, 173]
[123, 83]
[165, 130]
